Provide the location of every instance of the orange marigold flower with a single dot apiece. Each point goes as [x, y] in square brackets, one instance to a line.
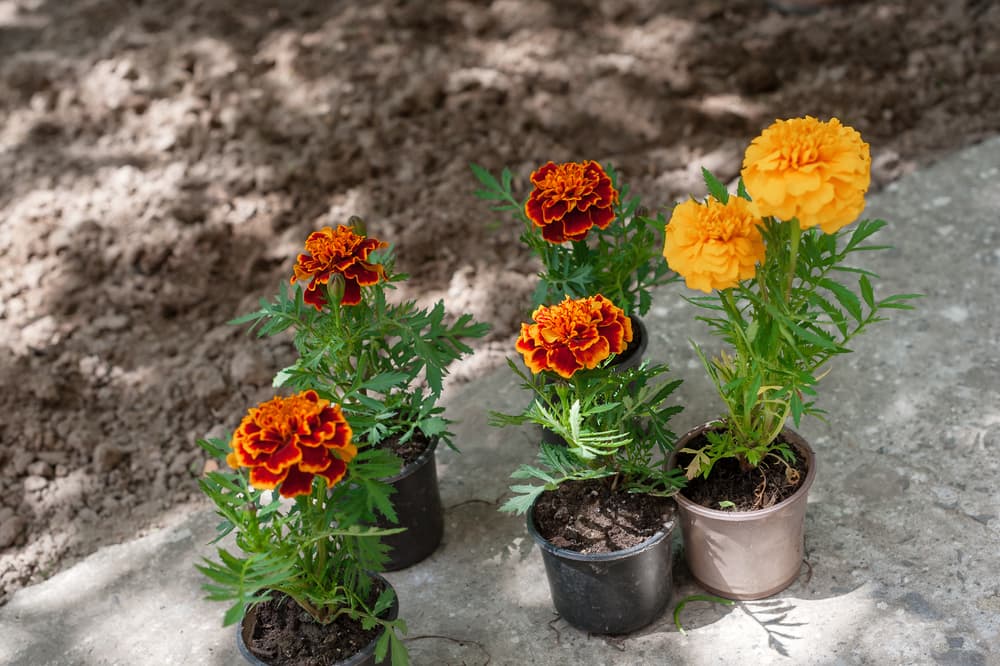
[714, 245]
[569, 199]
[574, 334]
[332, 252]
[805, 168]
[288, 441]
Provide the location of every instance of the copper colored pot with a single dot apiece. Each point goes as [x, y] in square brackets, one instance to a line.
[746, 555]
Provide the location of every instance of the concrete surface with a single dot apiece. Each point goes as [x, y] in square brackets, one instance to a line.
[902, 535]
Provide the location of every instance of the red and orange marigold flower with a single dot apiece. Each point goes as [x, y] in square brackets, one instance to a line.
[338, 251]
[574, 334]
[815, 171]
[569, 199]
[287, 442]
[714, 245]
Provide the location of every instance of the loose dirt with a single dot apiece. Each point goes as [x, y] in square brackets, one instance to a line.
[162, 163]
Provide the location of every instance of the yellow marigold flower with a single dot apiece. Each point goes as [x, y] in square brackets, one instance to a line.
[713, 245]
[805, 168]
[574, 334]
[288, 441]
[332, 252]
[569, 199]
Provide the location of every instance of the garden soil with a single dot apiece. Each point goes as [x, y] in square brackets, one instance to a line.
[161, 164]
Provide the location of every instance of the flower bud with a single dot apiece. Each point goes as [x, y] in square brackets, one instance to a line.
[335, 289]
[358, 225]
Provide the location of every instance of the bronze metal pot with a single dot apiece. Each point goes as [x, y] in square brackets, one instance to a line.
[746, 555]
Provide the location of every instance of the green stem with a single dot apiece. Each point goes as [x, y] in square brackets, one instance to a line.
[795, 234]
[780, 424]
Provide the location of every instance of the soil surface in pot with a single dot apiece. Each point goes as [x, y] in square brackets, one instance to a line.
[771, 482]
[589, 517]
[409, 450]
[285, 635]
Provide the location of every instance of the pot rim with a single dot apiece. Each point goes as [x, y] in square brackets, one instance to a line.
[567, 554]
[800, 494]
[421, 460]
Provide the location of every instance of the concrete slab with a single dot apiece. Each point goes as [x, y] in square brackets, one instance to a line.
[903, 528]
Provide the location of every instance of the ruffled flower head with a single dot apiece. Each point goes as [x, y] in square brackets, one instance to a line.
[815, 171]
[569, 199]
[338, 251]
[287, 442]
[574, 334]
[714, 245]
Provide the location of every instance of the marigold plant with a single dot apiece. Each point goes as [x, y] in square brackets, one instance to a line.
[311, 541]
[614, 421]
[780, 299]
[368, 372]
[590, 236]
[383, 361]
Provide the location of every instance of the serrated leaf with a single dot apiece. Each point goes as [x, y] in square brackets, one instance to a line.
[485, 177]
[385, 381]
[715, 188]
[741, 189]
[519, 504]
[836, 316]
[384, 601]
[864, 229]
[282, 376]
[382, 646]
[867, 293]
[844, 296]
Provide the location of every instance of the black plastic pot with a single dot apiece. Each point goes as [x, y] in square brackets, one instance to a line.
[609, 593]
[366, 657]
[633, 354]
[417, 501]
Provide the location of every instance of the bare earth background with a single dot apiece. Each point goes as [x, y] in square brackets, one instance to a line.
[161, 164]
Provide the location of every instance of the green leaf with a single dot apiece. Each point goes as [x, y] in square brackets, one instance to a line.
[485, 177]
[715, 188]
[836, 316]
[384, 601]
[282, 376]
[399, 654]
[820, 340]
[382, 646]
[867, 293]
[741, 190]
[519, 504]
[845, 296]
[898, 301]
[864, 229]
[384, 381]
